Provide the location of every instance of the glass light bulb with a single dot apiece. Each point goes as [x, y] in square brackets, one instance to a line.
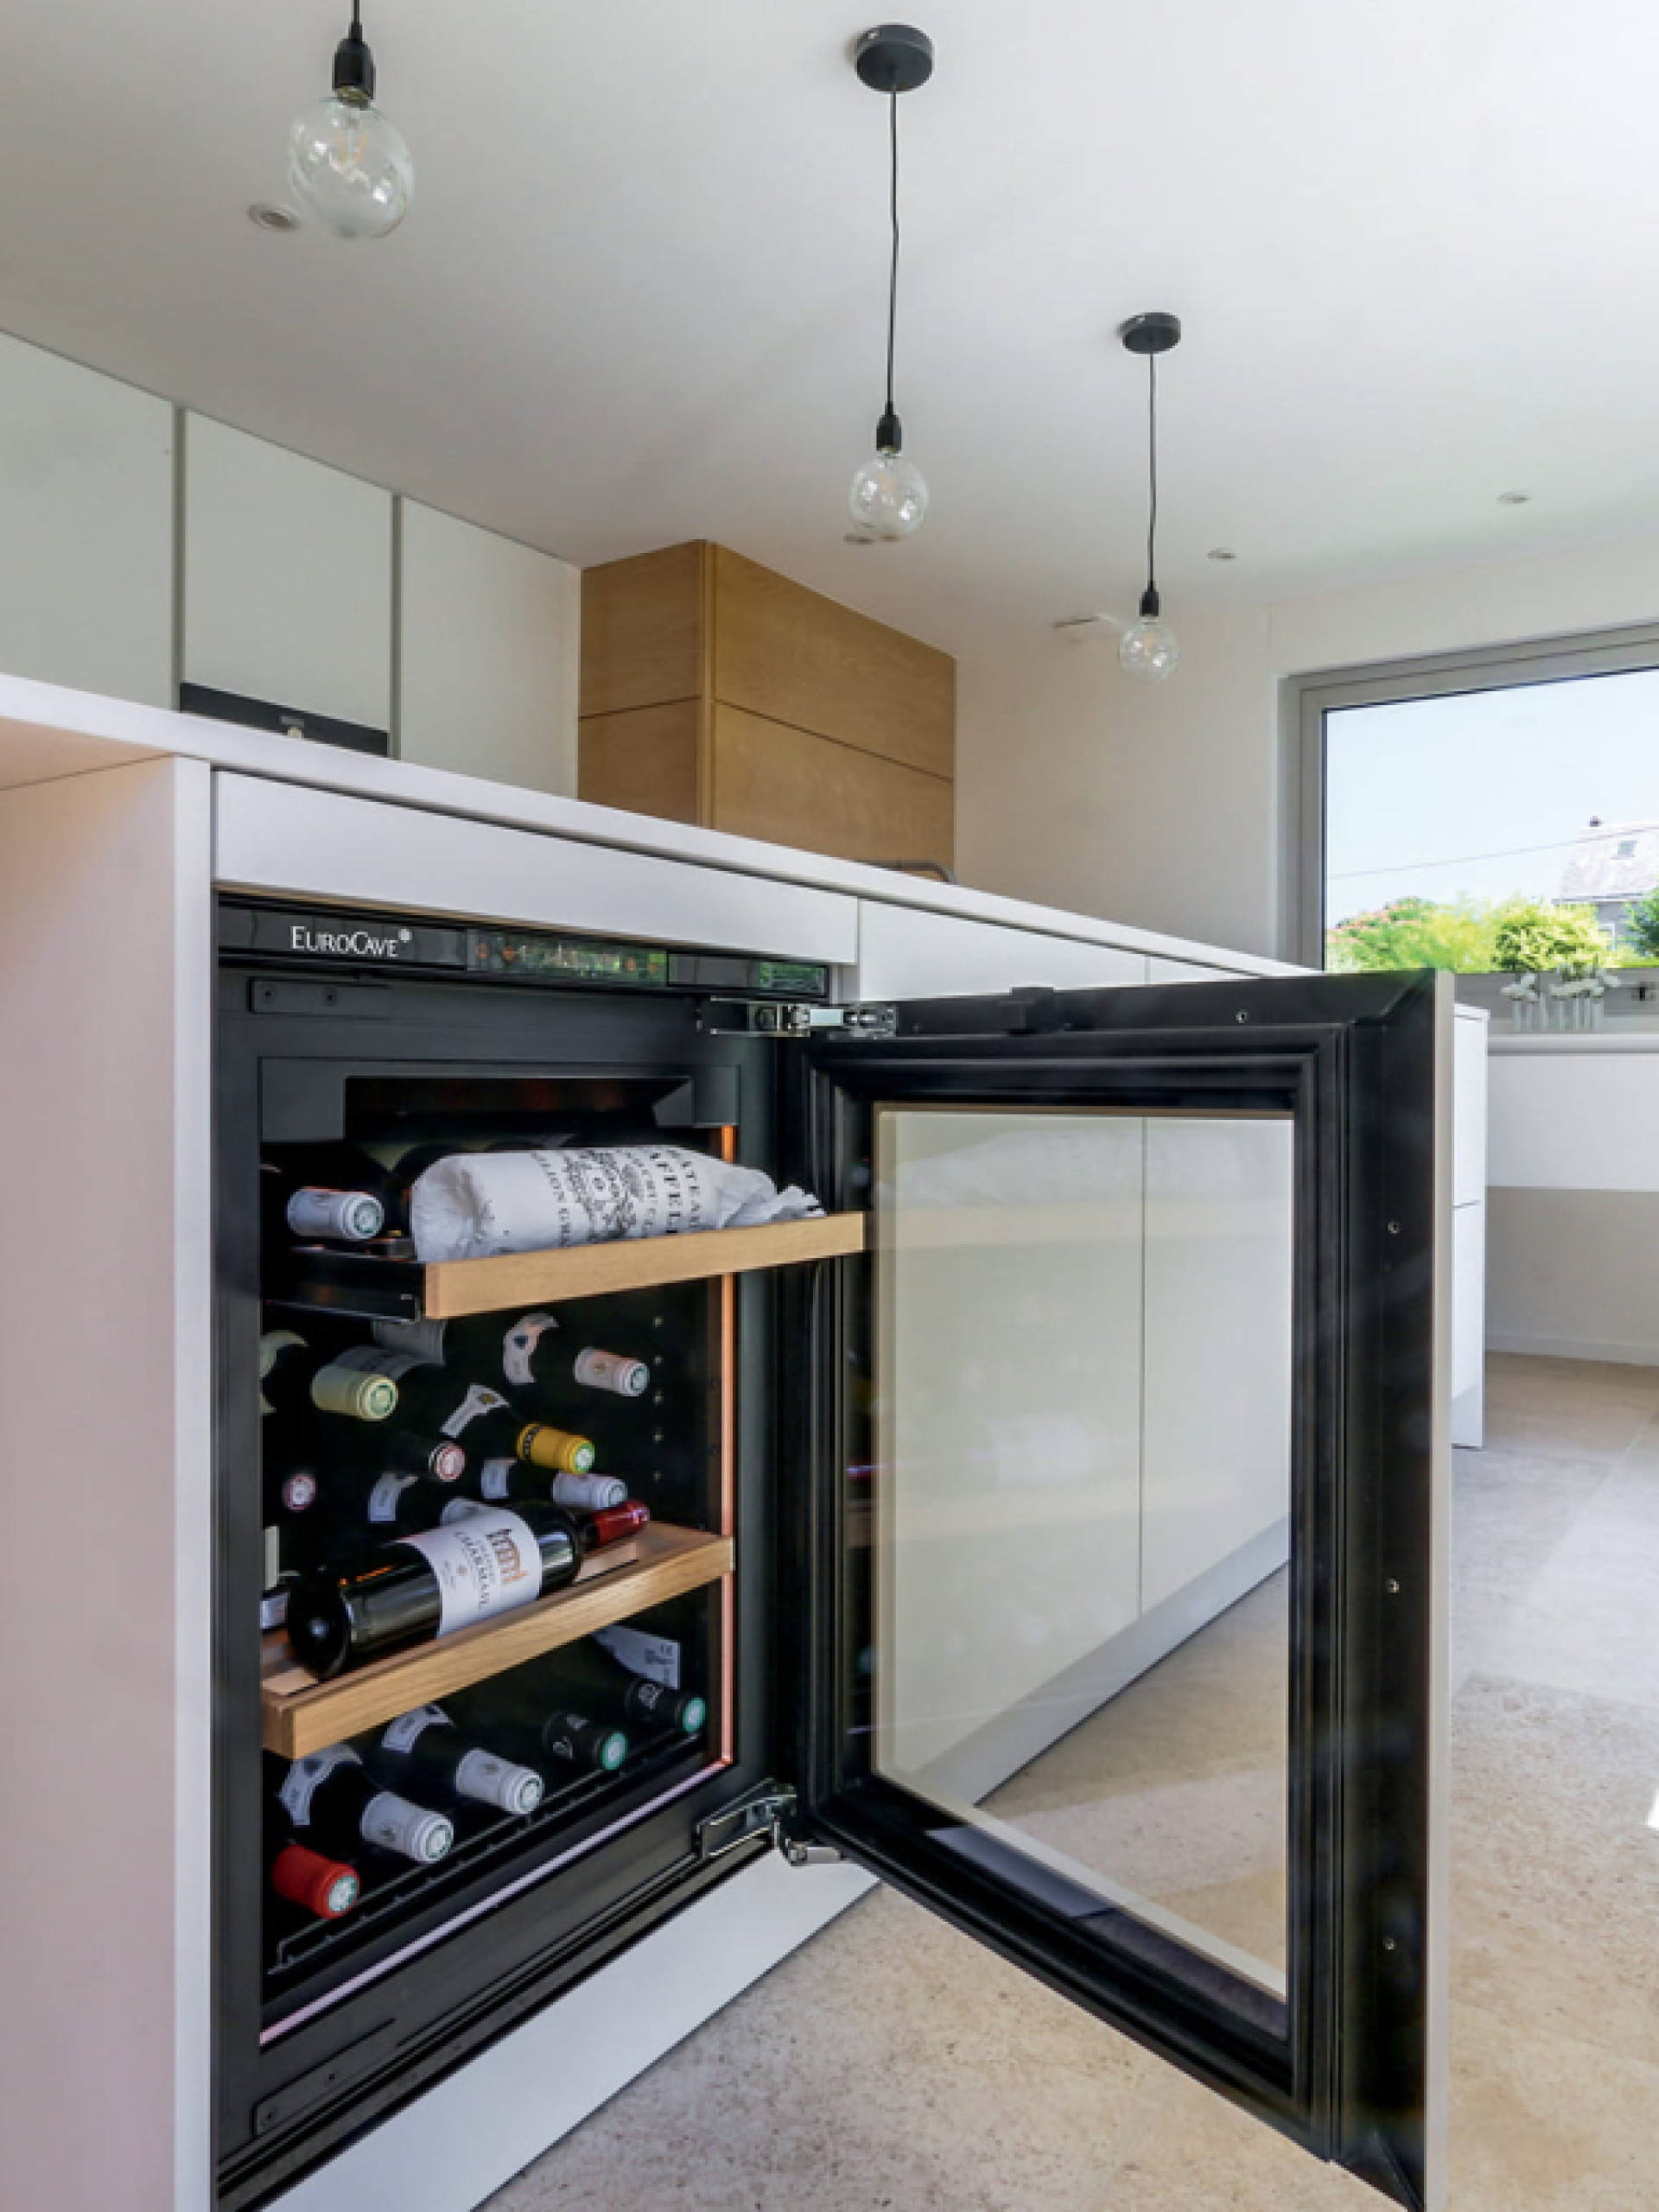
[1148, 650]
[888, 497]
[350, 166]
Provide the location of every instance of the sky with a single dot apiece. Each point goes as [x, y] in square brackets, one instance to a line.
[1452, 796]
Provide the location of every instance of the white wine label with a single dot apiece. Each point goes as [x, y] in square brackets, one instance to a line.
[270, 1344]
[498, 1781]
[422, 1340]
[383, 1499]
[494, 1477]
[306, 1776]
[478, 1400]
[408, 1728]
[396, 1825]
[519, 1347]
[611, 1371]
[273, 1609]
[655, 1657]
[273, 1551]
[590, 1491]
[487, 1562]
[353, 1216]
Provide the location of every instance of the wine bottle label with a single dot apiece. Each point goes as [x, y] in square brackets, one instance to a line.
[486, 1560]
[270, 1344]
[273, 1610]
[555, 1447]
[341, 1389]
[406, 1731]
[498, 1781]
[590, 1491]
[394, 1824]
[478, 1400]
[655, 1657]
[306, 1776]
[610, 1370]
[298, 1491]
[422, 1340]
[495, 1479]
[354, 1216]
[383, 1499]
[518, 1346]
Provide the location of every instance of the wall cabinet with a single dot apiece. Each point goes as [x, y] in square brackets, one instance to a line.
[287, 578]
[487, 647]
[85, 528]
[715, 691]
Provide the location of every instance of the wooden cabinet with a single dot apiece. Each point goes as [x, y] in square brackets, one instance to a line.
[718, 692]
[287, 578]
[487, 644]
[85, 528]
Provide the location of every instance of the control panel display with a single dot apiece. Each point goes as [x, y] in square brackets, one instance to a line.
[564, 959]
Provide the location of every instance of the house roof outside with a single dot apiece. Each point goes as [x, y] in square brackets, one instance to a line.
[1612, 862]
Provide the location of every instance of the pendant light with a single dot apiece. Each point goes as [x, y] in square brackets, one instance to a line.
[1147, 650]
[346, 164]
[888, 496]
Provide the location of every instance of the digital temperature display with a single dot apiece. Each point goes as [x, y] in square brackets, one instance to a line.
[565, 960]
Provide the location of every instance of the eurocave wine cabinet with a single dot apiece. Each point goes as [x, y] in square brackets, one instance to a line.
[1047, 1522]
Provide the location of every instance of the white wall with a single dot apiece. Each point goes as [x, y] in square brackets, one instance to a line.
[1161, 807]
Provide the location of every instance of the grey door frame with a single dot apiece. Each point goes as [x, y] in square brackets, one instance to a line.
[1307, 700]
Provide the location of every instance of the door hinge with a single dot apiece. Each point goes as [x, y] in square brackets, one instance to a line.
[767, 1814]
[771, 1018]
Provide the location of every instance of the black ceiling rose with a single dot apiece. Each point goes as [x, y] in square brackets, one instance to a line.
[894, 58]
[1153, 333]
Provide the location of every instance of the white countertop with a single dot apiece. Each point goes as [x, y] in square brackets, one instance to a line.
[48, 731]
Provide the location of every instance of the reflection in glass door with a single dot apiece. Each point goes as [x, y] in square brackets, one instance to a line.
[1079, 1509]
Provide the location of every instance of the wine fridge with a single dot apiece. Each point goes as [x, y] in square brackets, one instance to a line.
[759, 1465]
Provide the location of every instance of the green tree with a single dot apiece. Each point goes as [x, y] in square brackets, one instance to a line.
[1414, 932]
[1642, 927]
[1530, 936]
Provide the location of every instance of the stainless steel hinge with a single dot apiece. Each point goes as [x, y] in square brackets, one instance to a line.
[772, 1018]
[767, 1813]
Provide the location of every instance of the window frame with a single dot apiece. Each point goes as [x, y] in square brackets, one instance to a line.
[1308, 699]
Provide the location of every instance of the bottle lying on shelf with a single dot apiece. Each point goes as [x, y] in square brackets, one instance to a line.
[528, 1354]
[480, 1560]
[293, 1206]
[474, 1415]
[497, 1481]
[586, 1675]
[566, 1741]
[333, 1806]
[340, 1191]
[326, 1887]
[294, 1377]
[425, 1752]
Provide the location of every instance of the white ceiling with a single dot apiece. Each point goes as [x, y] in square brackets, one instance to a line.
[639, 295]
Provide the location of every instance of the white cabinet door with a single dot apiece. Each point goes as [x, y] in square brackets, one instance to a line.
[488, 636]
[909, 952]
[1469, 1325]
[85, 528]
[287, 578]
[1216, 1423]
[1469, 1109]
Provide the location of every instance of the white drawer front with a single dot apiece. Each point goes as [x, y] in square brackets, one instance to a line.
[289, 839]
[908, 952]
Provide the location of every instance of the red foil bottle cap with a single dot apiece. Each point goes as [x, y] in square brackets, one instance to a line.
[325, 1886]
[449, 1463]
[612, 1522]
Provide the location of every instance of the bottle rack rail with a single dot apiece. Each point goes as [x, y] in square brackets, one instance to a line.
[301, 1714]
[394, 1286]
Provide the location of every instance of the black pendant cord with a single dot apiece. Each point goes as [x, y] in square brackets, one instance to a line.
[887, 435]
[1151, 593]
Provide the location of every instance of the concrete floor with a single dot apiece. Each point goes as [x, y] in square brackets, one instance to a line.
[892, 2064]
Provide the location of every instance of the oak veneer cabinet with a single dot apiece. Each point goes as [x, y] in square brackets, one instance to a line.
[718, 692]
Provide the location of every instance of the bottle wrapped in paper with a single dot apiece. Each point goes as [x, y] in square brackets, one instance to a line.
[476, 1204]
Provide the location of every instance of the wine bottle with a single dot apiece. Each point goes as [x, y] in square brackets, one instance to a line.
[474, 1415]
[326, 1887]
[290, 1209]
[556, 1735]
[347, 1171]
[608, 1524]
[527, 1355]
[424, 1751]
[294, 1377]
[397, 1505]
[333, 1806]
[497, 1481]
[585, 1675]
[611, 1371]
[478, 1562]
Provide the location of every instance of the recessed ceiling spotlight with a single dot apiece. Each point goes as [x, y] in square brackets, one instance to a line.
[268, 216]
[1513, 499]
[1222, 553]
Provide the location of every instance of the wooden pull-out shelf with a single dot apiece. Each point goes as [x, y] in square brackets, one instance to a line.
[447, 1290]
[302, 1714]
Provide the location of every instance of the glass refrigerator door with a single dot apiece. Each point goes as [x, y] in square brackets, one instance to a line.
[1125, 1537]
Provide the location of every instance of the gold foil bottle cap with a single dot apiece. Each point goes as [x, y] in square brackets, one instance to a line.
[556, 1448]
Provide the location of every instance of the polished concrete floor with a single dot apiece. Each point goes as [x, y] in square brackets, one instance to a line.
[892, 2064]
